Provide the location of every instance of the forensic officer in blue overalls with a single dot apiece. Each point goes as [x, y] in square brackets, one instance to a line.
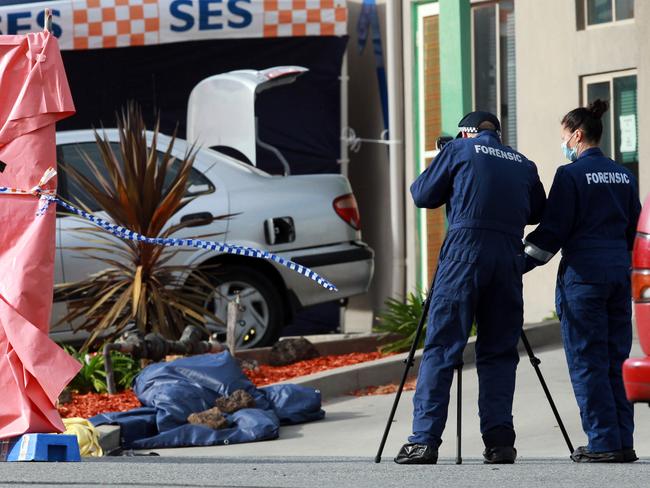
[491, 193]
[591, 214]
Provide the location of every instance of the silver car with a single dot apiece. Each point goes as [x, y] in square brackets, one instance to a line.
[312, 220]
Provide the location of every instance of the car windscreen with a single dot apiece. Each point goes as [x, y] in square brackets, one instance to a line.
[75, 156]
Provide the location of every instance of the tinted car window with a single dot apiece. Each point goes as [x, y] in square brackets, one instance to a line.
[72, 155]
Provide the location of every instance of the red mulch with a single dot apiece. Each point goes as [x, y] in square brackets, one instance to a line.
[91, 404]
[383, 389]
[266, 375]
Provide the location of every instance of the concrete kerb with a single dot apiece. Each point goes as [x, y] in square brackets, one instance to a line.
[109, 438]
[327, 344]
[342, 381]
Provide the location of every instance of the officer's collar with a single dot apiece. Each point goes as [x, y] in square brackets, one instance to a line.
[488, 133]
[592, 151]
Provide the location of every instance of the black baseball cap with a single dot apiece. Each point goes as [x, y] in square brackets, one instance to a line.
[472, 121]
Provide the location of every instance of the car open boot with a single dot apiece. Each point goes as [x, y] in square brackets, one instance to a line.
[499, 455]
[629, 455]
[584, 455]
[417, 454]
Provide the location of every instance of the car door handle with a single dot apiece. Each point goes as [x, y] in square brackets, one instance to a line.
[199, 219]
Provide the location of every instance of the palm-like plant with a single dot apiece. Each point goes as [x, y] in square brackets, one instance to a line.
[402, 318]
[141, 191]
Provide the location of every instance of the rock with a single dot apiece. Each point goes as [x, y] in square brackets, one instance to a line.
[212, 418]
[248, 364]
[238, 400]
[289, 351]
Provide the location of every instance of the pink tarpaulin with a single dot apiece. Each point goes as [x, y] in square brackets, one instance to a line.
[34, 94]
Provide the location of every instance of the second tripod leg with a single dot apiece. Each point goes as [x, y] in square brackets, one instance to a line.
[535, 361]
[459, 413]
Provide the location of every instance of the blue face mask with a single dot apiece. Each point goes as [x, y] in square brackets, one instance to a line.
[571, 153]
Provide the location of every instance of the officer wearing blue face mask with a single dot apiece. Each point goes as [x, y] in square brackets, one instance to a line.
[491, 192]
[591, 214]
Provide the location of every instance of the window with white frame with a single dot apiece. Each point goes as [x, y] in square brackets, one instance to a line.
[620, 122]
[493, 63]
[607, 11]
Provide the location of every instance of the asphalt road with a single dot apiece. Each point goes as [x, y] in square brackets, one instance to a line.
[320, 472]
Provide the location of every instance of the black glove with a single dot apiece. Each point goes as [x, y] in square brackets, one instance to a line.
[531, 263]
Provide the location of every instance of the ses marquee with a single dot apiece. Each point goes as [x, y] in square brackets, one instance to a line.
[95, 24]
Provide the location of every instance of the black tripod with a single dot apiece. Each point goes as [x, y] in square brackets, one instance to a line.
[459, 370]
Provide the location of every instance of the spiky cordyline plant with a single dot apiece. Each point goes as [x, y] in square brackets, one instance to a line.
[138, 191]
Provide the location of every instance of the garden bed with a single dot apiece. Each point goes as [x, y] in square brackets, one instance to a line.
[89, 404]
[266, 375]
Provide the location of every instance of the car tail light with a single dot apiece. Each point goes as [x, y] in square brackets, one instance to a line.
[346, 207]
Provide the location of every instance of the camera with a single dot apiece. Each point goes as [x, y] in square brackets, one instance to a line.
[442, 140]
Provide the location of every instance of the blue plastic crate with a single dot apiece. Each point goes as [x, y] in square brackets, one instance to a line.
[41, 447]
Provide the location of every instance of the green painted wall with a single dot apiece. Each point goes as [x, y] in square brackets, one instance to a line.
[455, 86]
[455, 62]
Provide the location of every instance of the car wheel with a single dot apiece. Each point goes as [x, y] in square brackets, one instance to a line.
[261, 315]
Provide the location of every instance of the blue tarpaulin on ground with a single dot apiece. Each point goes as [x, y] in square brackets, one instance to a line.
[170, 392]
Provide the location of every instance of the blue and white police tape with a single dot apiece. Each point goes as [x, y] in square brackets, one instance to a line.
[38, 191]
[48, 196]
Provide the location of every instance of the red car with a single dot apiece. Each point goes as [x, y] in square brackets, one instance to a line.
[636, 371]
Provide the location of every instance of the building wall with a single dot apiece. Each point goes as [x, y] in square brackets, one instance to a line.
[552, 55]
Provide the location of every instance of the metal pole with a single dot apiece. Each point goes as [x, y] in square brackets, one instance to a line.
[536, 362]
[409, 362]
[459, 413]
[231, 324]
[108, 367]
[395, 85]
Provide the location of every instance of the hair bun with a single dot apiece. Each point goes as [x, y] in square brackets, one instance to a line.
[597, 108]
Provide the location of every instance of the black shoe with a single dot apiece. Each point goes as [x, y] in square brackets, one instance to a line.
[500, 455]
[417, 454]
[629, 455]
[584, 455]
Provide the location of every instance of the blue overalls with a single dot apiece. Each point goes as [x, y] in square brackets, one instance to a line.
[491, 193]
[591, 214]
